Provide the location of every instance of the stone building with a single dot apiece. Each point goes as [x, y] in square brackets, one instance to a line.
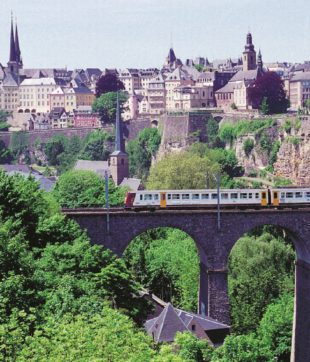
[299, 89]
[237, 91]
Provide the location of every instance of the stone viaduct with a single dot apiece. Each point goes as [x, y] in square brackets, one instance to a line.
[214, 247]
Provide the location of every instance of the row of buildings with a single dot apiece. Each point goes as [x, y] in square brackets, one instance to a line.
[35, 93]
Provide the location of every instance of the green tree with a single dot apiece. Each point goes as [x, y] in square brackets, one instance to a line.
[212, 132]
[105, 105]
[105, 336]
[243, 348]
[275, 329]
[96, 146]
[54, 148]
[79, 188]
[5, 153]
[166, 261]
[248, 146]
[142, 150]
[182, 170]
[193, 349]
[260, 269]
[18, 143]
[264, 107]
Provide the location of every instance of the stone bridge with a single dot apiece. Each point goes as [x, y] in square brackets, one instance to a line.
[214, 246]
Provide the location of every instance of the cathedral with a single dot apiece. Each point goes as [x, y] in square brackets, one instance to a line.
[10, 75]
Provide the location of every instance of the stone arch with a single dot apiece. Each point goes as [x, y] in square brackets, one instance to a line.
[159, 293]
[20, 111]
[154, 123]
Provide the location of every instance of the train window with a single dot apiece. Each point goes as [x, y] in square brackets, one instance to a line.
[147, 197]
[289, 195]
[282, 195]
[169, 196]
[243, 195]
[257, 195]
[195, 196]
[175, 196]
[234, 195]
[185, 196]
[214, 196]
[307, 194]
[141, 197]
[298, 195]
[205, 196]
[224, 196]
[163, 197]
[156, 197]
[264, 195]
[250, 196]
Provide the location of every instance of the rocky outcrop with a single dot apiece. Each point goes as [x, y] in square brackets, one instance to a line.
[293, 159]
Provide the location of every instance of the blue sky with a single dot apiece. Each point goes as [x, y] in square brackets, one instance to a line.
[137, 33]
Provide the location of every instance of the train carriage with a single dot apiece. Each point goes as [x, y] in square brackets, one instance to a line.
[208, 198]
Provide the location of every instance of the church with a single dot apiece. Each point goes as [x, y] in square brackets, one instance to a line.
[10, 75]
[235, 94]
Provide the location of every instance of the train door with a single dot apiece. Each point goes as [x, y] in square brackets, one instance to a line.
[163, 200]
[275, 200]
[264, 198]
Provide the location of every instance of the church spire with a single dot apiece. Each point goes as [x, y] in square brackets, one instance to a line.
[12, 43]
[17, 49]
[260, 61]
[118, 128]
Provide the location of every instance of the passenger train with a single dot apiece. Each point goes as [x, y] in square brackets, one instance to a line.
[229, 198]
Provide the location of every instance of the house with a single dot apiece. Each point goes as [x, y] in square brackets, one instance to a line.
[45, 183]
[164, 327]
[299, 89]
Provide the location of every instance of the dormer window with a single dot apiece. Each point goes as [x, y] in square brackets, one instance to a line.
[193, 327]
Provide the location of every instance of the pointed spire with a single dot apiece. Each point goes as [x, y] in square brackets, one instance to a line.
[12, 43]
[118, 128]
[260, 60]
[17, 49]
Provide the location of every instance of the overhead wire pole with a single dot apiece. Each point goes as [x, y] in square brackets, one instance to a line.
[218, 183]
[106, 177]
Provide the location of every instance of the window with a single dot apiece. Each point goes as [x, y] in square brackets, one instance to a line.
[243, 196]
[224, 196]
[257, 195]
[234, 195]
[289, 195]
[175, 196]
[307, 194]
[298, 195]
[185, 196]
[147, 197]
[214, 196]
[195, 196]
[205, 196]
[250, 195]
[156, 197]
[141, 197]
[282, 195]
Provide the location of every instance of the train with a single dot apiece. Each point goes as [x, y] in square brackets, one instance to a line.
[208, 198]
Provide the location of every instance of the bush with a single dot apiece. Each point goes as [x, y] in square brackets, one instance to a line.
[274, 152]
[248, 146]
[294, 140]
[287, 126]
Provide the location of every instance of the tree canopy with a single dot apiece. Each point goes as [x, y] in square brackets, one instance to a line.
[108, 83]
[183, 170]
[81, 188]
[141, 151]
[105, 105]
[268, 91]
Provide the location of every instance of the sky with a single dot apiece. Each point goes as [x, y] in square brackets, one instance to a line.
[139, 33]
